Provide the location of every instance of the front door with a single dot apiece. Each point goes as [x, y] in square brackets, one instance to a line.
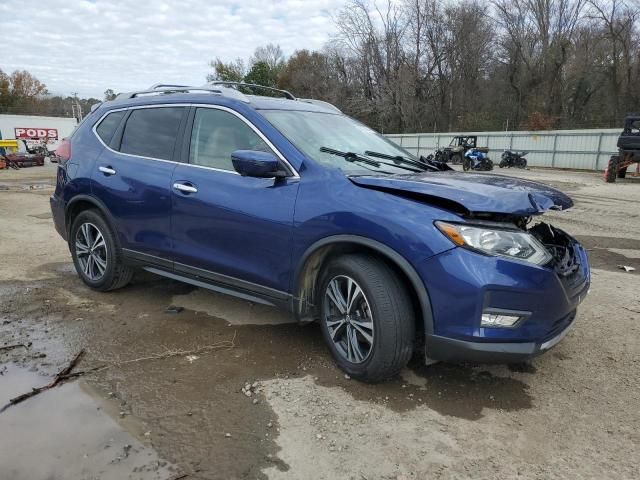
[232, 229]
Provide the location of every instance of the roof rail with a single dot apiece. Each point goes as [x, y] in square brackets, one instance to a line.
[235, 85]
[157, 86]
[165, 89]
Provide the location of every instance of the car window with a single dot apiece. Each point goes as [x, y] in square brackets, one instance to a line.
[152, 132]
[108, 125]
[216, 134]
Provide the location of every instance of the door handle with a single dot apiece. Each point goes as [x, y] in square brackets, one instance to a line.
[185, 188]
[107, 170]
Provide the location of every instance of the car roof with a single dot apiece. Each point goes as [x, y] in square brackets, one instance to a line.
[218, 95]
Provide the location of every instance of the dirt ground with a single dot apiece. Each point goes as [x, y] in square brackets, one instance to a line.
[169, 400]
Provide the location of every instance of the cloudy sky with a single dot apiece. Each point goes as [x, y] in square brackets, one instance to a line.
[88, 46]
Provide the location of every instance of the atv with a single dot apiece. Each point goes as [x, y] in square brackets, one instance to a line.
[628, 150]
[458, 146]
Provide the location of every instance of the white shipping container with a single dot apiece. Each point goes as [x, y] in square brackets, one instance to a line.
[35, 126]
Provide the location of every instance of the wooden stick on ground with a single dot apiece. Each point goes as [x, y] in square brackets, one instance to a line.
[67, 374]
[11, 347]
[62, 375]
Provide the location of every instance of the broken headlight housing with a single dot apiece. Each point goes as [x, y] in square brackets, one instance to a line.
[490, 240]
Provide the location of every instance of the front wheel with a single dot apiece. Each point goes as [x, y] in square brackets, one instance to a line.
[95, 253]
[466, 164]
[456, 159]
[611, 172]
[367, 318]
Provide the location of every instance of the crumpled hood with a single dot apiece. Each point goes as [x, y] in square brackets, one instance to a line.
[475, 193]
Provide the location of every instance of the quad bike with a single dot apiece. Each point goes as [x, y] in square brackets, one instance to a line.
[458, 146]
[628, 150]
[513, 159]
[476, 159]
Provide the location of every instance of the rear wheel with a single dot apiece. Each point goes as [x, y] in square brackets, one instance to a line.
[367, 318]
[95, 253]
[466, 164]
[456, 159]
[612, 170]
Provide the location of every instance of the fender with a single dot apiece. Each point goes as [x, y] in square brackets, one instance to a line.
[93, 200]
[391, 254]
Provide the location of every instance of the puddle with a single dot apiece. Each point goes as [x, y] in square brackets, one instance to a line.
[606, 253]
[64, 433]
[191, 404]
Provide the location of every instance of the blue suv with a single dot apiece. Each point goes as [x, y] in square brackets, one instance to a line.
[288, 202]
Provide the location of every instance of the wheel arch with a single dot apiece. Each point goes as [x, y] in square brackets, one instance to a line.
[316, 256]
[80, 203]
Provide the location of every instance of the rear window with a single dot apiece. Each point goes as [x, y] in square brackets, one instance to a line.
[108, 126]
[152, 132]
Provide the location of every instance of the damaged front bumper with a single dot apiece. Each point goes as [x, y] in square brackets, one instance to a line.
[463, 285]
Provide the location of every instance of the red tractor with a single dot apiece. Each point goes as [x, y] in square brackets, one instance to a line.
[628, 150]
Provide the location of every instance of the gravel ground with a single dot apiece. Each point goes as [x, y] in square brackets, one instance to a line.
[226, 389]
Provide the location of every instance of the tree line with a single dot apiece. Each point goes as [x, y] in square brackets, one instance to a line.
[434, 65]
[22, 93]
[439, 65]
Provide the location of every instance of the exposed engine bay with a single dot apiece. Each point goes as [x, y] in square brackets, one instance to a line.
[560, 245]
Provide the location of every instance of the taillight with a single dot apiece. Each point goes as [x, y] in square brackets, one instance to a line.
[63, 152]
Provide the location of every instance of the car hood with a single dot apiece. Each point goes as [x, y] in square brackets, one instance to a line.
[472, 192]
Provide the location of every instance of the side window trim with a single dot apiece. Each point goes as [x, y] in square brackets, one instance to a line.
[186, 139]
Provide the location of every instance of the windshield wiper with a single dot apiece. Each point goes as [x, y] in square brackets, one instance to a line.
[398, 159]
[351, 156]
[355, 157]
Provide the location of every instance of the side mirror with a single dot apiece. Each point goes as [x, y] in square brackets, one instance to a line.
[254, 163]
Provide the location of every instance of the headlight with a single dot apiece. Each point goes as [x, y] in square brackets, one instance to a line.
[496, 241]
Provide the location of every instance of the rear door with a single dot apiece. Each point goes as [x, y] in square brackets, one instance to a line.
[231, 229]
[132, 178]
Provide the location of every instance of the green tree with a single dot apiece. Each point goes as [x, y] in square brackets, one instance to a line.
[226, 72]
[261, 74]
[109, 94]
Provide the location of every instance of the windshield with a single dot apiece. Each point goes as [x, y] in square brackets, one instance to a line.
[311, 131]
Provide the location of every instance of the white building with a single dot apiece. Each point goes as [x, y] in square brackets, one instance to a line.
[35, 129]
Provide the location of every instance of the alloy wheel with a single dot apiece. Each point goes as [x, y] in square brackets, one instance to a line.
[349, 319]
[91, 251]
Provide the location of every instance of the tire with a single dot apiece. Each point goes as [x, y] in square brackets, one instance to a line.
[100, 267]
[383, 303]
[466, 164]
[456, 159]
[612, 170]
